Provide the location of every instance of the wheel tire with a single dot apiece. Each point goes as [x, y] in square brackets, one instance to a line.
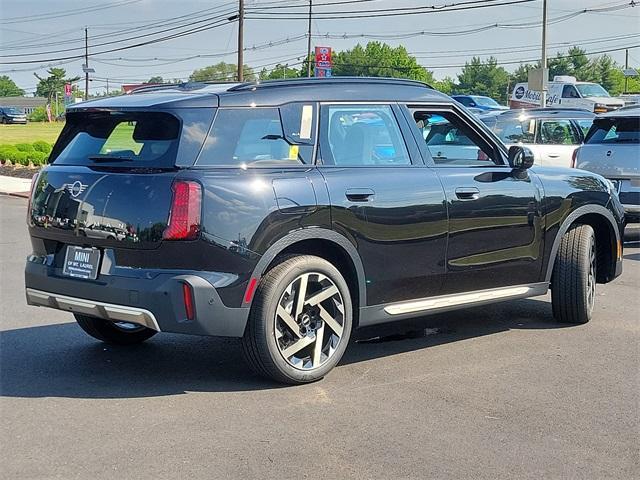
[110, 332]
[268, 337]
[573, 284]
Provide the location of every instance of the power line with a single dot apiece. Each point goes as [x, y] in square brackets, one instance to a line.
[205, 20]
[64, 13]
[202, 28]
[393, 12]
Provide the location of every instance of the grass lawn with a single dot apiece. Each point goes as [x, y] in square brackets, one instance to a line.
[11, 134]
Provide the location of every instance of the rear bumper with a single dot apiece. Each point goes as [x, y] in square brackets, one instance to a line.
[150, 298]
[93, 308]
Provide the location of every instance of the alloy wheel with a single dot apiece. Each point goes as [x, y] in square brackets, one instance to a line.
[309, 321]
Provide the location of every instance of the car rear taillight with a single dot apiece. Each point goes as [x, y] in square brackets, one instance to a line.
[34, 182]
[184, 217]
[574, 157]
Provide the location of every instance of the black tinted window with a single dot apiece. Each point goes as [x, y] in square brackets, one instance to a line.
[256, 136]
[618, 130]
[129, 138]
[362, 135]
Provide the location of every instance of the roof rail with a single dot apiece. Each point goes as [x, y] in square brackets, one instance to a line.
[187, 86]
[334, 80]
[569, 109]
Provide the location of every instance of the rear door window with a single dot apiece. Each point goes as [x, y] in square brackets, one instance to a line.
[557, 132]
[362, 135]
[261, 137]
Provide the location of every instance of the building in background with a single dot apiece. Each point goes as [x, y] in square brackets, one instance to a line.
[28, 104]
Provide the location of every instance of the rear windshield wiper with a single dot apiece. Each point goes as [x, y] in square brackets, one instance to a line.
[110, 158]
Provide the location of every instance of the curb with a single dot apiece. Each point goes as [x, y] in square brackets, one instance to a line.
[16, 194]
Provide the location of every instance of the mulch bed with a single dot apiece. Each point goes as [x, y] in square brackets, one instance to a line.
[19, 171]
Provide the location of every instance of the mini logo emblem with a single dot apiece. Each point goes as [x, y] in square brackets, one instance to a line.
[75, 188]
[519, 92]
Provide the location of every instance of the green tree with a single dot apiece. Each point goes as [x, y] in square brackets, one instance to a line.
[155, 79]
[484, 78]
[603, 71]
[633, 84]
[220, 72]
[378, 59]
[8, 88]
[522, 73]
[48, 86]
[278, 72]
[446, 85]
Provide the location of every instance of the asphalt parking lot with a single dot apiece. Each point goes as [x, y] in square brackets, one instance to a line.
[492, 392]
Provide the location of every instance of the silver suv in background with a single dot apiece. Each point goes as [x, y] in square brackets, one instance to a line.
[552, 134]
[612, 149]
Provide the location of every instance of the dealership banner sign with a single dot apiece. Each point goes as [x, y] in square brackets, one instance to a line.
[323, 62]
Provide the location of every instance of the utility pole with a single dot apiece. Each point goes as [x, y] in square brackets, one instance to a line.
[86, 63]
[626, 67]
[309, 40]
[543, 96]
[241, 40]
[107, 87]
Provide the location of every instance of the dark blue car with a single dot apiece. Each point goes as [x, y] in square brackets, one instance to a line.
[479, 101]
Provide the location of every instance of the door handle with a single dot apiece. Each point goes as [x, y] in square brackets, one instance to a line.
[467, 193]
[359, 194]
[554, 155]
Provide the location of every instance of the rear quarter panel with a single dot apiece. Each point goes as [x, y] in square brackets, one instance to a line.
[244, 212]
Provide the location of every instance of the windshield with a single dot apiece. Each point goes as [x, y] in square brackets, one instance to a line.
[512, 129]
[591, 90]
[614, 130]
[14, 111]
[486, 101]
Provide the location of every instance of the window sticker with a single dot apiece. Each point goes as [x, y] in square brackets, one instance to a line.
[306, 122]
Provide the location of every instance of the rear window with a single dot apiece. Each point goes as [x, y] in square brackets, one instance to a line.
[614, 130]
[132, 138]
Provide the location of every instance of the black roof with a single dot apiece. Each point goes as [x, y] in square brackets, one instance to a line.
[272, 92]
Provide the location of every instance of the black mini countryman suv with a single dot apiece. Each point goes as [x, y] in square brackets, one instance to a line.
[289, 213]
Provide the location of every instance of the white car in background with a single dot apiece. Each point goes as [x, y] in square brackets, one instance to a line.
[552, 134]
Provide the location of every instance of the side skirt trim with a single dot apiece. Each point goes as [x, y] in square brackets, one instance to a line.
[400, 310]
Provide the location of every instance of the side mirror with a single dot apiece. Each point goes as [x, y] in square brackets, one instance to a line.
[520, 158]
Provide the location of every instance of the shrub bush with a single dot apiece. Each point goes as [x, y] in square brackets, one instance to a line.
[42, 146]
[25, 147]
[20, 158]
[7, 152]
[38, 158]
[38, 115]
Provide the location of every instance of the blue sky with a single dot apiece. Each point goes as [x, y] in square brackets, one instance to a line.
[22, 33]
